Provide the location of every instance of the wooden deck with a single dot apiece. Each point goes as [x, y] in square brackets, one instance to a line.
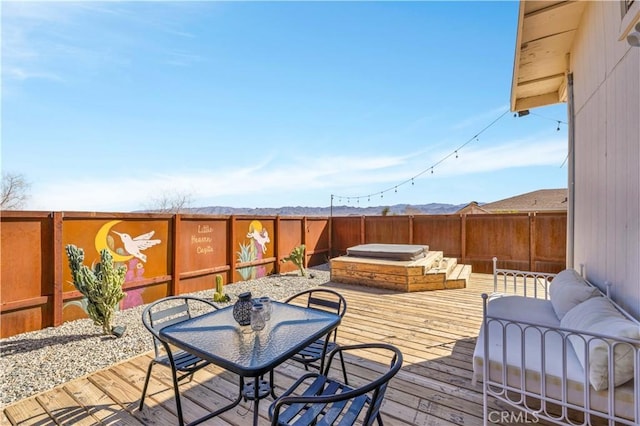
[435, 330]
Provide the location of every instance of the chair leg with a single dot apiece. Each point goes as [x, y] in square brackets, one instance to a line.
[379, 417]
[146, 384]
[344, 370]
[176, 391]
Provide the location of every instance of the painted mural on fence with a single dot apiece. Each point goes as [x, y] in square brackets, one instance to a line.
[127, 250]
[254, 249]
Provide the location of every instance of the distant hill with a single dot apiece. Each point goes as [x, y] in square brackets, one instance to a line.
[397, 209]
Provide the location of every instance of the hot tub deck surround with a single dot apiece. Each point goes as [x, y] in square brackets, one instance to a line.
[431, 272]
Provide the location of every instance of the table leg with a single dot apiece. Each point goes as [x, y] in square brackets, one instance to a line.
[273, 385]
[256, 401]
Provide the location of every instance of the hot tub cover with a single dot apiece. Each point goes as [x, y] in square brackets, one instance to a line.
[389, 251]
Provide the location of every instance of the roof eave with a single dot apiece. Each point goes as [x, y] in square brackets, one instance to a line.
[541, 61]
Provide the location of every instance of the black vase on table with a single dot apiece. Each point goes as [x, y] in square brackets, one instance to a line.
[242, 308]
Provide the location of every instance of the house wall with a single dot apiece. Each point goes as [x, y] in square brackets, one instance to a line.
[606, 75]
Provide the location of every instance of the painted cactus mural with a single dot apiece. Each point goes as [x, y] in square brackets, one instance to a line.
[254, 250]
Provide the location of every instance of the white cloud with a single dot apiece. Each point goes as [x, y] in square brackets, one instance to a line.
[284, 181]
[22, 74]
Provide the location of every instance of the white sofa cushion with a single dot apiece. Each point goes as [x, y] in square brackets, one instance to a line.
[598, 315]
[567, 290]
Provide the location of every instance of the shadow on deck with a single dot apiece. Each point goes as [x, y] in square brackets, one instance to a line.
[435, 330]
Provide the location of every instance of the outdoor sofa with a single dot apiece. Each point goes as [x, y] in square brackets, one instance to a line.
[548, 339]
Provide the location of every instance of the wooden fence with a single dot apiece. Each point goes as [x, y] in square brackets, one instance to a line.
[175, 254]
[528, 241]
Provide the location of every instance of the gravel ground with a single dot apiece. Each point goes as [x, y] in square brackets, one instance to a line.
[34, 362]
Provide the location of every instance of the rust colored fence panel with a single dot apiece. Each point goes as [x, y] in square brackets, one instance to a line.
[27, 273]
[290, 235]
[142, 244]
[317, 240]
[201, 251]
[255, 253]
[345, 232]
[387, 229]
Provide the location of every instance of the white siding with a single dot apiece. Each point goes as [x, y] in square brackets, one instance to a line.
[607, 188]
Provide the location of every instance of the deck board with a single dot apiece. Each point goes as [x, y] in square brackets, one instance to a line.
[435, 330]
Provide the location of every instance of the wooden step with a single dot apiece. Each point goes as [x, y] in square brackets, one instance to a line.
[459, 277]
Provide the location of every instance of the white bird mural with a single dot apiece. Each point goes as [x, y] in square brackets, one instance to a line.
[134, 246]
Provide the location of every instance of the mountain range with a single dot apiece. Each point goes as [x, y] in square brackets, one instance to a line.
[344, 210]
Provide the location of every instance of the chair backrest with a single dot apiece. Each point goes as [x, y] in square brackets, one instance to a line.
[377, 387]
[326, 401]
[168, 311]
[322, 299]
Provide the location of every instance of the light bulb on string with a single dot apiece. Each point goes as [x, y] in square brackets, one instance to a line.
[558, 128]
[475, 138]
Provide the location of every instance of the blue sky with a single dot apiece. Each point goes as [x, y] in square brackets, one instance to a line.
[109, 106]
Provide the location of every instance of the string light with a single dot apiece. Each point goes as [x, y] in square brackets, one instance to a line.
[455, 153]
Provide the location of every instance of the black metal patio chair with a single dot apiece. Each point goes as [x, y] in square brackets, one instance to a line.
[316, 399]
[325, 300]
[162, 313]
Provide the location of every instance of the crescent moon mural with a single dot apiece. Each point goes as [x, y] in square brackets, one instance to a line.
[102, 242]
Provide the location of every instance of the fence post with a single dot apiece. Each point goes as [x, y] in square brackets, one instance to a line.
[532, 241]
[411, 229]
[231, 245]
[463, 237]
[175, 273]
[276, 243]
[58, 261]
[362, 230]
[330, 223]
[303, 238]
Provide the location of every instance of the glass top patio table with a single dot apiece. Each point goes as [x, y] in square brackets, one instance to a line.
[218, 338]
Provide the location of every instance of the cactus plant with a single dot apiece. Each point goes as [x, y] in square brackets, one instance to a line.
[219, 296]
[102, 285]
[297, 258]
